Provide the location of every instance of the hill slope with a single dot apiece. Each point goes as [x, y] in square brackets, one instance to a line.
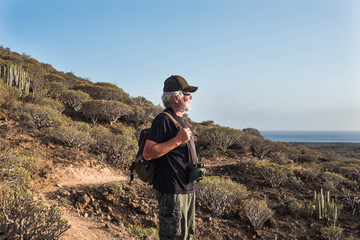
[78, 159]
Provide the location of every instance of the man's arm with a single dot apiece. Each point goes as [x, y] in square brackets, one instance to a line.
[154, 150]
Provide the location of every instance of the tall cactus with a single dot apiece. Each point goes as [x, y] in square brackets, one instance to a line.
[325, 207]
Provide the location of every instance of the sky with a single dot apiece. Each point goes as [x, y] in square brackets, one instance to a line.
[265, 64]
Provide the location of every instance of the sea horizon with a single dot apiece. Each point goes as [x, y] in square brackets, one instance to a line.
[345, 136]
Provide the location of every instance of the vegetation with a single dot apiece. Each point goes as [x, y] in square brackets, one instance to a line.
[274, 173]
[142, 232]
[72, 120]
[331, 233]
[257, 212]
[21, 217]
[302, 208]
[216, 193]
[219, 137]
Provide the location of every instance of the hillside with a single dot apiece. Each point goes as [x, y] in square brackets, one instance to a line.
[68, 142]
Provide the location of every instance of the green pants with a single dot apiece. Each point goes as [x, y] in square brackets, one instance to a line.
[176, 216]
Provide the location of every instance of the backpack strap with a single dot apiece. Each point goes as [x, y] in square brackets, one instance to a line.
[190, 149]
[173, 120]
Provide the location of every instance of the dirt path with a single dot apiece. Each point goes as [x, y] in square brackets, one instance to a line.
[81, 227]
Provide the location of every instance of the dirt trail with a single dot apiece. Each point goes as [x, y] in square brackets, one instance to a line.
[81, 227]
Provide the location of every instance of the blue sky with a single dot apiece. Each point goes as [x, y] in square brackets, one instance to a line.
[267, 64]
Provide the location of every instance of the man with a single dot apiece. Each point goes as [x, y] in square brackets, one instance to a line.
[174, 153]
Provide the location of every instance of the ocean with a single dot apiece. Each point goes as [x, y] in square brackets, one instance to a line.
[313, 136]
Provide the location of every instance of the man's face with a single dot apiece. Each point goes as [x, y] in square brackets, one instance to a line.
[185, 102]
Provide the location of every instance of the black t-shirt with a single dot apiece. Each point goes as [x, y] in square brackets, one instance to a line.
[172, 169]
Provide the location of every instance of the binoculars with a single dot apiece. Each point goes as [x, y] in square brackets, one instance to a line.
[197, 173]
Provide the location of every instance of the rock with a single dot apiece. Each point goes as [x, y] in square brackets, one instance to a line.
[110, 198]
[108, 226]
[82, 201]
[271, 222]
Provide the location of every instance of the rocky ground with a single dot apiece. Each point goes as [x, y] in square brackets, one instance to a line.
[80, 184]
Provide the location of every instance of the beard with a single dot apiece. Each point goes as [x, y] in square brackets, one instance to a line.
[185, 106]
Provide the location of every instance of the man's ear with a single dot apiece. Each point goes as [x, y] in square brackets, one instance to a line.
[175, 99]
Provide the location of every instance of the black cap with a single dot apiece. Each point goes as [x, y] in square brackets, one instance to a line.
[176, 83]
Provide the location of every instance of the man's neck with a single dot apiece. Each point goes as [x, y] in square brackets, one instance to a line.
[177, 111]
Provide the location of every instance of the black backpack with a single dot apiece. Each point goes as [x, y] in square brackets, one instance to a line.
[144, 169]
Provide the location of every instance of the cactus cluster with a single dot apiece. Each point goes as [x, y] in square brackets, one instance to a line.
[325, 207]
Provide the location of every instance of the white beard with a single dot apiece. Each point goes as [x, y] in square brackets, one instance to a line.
[185, 106]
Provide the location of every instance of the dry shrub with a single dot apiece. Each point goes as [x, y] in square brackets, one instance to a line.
[280, 158]
[352, 201]
[72, 136]
[261, 147]
[332, 165]
[304, 154]
[249, 165]
[274, 173]
[21, 217]
[311, 171]
[119, 148]
[257, 212]
[219, 137]
[216, 193]
[331, 233]
[350, 171]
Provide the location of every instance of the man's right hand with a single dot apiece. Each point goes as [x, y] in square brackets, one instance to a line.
[184, 135]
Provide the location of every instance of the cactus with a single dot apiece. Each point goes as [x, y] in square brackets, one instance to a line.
[326, 207]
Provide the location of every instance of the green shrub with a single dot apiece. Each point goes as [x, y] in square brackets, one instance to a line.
[248, 165]
[109, 111]
[16, 168]
[216, 193]
[54, 104]
[21, 217]
[74, 98]
[8, 96]
[274, 173]
[117, 189]
[102, 92]
[331, 233]
[36, 116]
[219, 137]
[302, 208]
[143, 112]
[333, 179]
[55, 89]
[257, 212]
[252, 131]
[142, 232]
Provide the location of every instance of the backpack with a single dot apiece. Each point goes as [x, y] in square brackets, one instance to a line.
[144, 169]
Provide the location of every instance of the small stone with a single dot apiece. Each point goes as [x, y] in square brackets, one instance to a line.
[108, 226]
